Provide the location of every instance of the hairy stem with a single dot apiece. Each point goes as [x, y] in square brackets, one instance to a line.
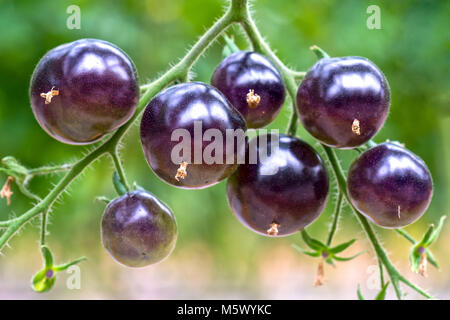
[110, 145]
[337, 210]
[119, 168]
[43, 226]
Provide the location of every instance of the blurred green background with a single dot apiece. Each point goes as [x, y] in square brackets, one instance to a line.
[216, 257]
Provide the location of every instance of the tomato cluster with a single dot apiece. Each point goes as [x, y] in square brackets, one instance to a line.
[83, 90]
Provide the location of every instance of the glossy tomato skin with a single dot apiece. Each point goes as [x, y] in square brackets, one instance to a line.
[184, 107]
[390, 185]
[338, 94]
[98, 90]
[138, 230]
[243, 71]
[291, 197]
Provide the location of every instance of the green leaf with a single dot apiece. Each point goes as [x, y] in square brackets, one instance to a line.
[320, 53]
[230, 46]
[69, 264]
[427, 236]
[103, 199]
[313, 243]
[314, 254]
[434, 235]
[358, 293]
[432, 260]
[41, 281]
[47, 256]
[341, 247]
[348, 258]
[382, 294]
[118, 184]
[330, 261]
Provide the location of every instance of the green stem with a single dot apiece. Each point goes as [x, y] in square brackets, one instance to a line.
[406, 235]
[336, 213]
[49, 169]
[43, 226]
[110, 145]
[380, 266]
[120, 170]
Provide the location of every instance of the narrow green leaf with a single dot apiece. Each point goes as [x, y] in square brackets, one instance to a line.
[308, 253]
[434, 235]
[432, 260]
[359, 294]
[348, 258]
[230, 46]
[103, 199]
[67, 265]
[341, 247]
[330, 261]
[313, 243]
[320, 53]
[382, 294]
[118, 184]
[427, 235]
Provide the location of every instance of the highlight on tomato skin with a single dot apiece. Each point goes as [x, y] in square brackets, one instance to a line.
[285, 200]
[390, 185]
[138, 230]
[253, 85]
[343, 102]
[82, 90]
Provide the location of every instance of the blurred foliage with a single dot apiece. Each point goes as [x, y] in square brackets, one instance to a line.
[412, 49]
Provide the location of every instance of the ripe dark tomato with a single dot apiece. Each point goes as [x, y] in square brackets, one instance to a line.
[390, 185]
[282, 193]
[198, 118]
[343, 102]
[138, 230]
[82, 90]
[253, 86]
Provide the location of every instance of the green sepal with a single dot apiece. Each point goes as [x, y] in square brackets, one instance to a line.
[435, 233]
[330, 261]
[103, 199]
[382, 294]
[359, 294]
[341, 247]
[319, 52]
[314, 254]
[230, 46]
[118, 184]
[313, 243]
[349, 258]
[431, 259]
[65, 266]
